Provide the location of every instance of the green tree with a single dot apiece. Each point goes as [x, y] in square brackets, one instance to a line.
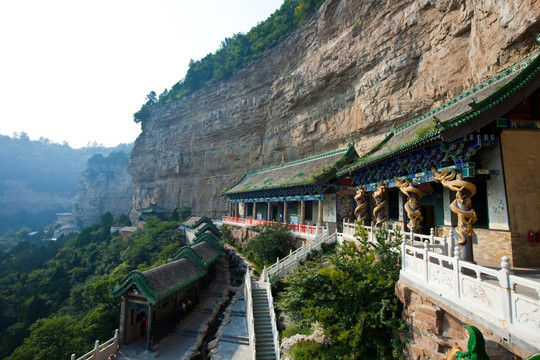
[351, 295]
[272, 242]
[53, 338]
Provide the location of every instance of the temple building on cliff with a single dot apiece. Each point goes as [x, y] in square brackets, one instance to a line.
[469, 165]
[304, 192]
[461, 181]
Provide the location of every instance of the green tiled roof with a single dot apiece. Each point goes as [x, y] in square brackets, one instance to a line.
[454, 113]
[300, 172]
[185, 267]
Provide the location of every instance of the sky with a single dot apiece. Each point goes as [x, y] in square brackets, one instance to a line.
[75, 71]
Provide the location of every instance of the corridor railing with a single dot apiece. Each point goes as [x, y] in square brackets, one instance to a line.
[298, 228]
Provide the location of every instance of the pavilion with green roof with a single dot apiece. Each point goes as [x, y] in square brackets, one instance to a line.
[196, 226]
[296, 192]
[157, 293]
[469, 163]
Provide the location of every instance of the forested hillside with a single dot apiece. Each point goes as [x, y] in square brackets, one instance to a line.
[39, 178]
[55, 298]
[234, 53]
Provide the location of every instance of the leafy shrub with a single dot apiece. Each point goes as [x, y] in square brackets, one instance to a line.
[295, 329]
[351, 295]
[274, 241]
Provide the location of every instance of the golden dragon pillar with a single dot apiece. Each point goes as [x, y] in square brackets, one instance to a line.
[361, 204]
[461, 206]
[412, 206]
[379, 212]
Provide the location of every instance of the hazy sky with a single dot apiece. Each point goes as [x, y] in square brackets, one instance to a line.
[76, 71]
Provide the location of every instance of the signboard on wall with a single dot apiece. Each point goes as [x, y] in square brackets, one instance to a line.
[329, 208]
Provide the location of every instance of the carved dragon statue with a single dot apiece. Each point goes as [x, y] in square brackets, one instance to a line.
[361, 204]
[461, 206]
[476, 348]
[411, 207]
[379, 212]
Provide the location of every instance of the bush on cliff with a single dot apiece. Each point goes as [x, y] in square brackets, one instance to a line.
[272, 242]
[234, 53]
[351, 295]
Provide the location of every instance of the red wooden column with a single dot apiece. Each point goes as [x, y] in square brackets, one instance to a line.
[269, 212]
[320, 220]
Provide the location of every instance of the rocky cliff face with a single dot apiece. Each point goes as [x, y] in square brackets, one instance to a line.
[103, 187]
[352, 69]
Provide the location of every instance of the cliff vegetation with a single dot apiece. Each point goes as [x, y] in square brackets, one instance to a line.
[235, 52]
[55, 296]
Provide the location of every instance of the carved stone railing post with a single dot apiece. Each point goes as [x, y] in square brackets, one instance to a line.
[456, 271]
[412, 206]
[504, 282]
[379, 212]
[403, 250]
[461, 206]
[361, 204]
[426, 261]
[445, 244]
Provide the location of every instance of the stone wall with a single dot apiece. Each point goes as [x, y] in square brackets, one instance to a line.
[435, 327]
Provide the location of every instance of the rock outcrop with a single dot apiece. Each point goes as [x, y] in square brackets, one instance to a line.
[350, 71]
[104, 186]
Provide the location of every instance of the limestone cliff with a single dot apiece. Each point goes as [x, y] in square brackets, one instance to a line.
[353, 68]
[105, 185]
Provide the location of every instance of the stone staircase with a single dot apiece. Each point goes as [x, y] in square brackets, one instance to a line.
[264, 341]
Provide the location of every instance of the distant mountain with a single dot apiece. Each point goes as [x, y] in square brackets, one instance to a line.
[105, 185]
[40, 178]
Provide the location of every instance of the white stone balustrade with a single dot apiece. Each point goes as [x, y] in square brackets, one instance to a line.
[101, 352]
[248, 300]
[496, 298]
[290, 262]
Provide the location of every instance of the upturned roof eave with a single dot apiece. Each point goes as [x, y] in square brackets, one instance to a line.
[348, 153]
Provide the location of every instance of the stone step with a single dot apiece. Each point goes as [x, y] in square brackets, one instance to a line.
[266, 354]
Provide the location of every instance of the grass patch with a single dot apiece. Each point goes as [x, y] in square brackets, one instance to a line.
[294, 329]
[305, 350]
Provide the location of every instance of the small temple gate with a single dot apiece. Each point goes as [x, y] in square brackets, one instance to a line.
[467, 166]
[303, 192]
[156, 294]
